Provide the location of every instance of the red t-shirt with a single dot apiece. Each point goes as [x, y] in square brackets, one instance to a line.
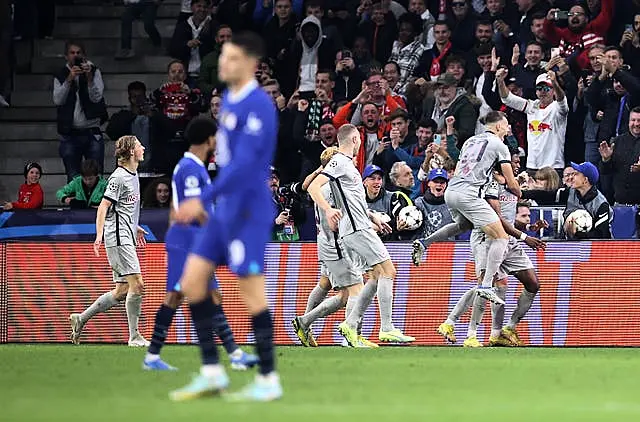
[29, 197]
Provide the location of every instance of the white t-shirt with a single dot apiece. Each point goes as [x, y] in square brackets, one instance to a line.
[546, 130]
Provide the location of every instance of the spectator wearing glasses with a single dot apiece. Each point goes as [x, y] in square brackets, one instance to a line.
[546, 120]
[463, 24]
[580, 34]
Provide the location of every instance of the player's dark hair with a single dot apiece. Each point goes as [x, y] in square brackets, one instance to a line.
[522, 204]
[200, 130]
[493, 117]
[251, 43]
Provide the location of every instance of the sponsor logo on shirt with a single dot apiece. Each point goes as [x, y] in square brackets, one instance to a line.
[537, 127]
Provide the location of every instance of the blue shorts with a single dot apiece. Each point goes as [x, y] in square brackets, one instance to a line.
[239, 245]
[178, 242]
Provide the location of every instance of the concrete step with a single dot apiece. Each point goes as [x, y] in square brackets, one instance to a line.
[36, 114]
[51, 162]
[110, 12]
[26, 131]
[30, 150]
[111, 81]
[108, 28]
[55, 48]
[107, 64]
[44, 98]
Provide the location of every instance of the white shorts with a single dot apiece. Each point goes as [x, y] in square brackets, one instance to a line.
[468, 207]
[365, 244]
[341, 273]
[123, 261]
[515, 260]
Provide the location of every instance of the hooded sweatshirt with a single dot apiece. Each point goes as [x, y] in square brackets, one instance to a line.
[309, 59]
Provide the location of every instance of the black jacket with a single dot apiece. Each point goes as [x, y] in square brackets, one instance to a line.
[91, 110]
[182, 34]
[626, 185]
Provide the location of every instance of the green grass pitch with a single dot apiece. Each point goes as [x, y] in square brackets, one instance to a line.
[105, 383]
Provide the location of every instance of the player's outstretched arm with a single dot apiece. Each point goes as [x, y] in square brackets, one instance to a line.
[310, 178]
[101, 215]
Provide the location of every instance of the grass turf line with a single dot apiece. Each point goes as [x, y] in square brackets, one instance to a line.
[106, 383]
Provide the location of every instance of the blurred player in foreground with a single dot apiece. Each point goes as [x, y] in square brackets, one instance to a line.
[117, 220]
[478, 158]
[353, 220]
[338, 270]
[189, 179]
[516, 262]
[237, 233]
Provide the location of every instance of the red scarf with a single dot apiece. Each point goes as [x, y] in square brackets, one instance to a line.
[435, 63]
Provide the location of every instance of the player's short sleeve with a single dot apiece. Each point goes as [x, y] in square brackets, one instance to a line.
[504, 156]
[192, 186]
[492, 191]
[335, 168]
[114, 189]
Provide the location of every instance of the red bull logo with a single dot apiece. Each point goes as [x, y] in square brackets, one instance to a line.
[537, 127]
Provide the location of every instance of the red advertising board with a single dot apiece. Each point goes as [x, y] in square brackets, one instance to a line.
[590, 294]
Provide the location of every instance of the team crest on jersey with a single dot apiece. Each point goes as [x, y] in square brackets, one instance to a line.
[253, 125]
[229, 120]
[191, 182]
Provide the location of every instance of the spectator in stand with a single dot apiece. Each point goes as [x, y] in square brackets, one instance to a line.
[157, 194]
[462, 23]
[391, 72]
[621, 158]
[362, 56]
[280, 32]
[401, 187]
[582, 195]
[85, 190]
[432, 61]
[435, 212]
[179, 104]
[523, 214]
[134, 9]
[547, 120]
[30, 195]
[78, 95]
[378, 199]
[208, 76]
[214, 105]
[264, 9]
[194, 38]
[586, 112]
[398, 144]
[371, 130]
[616, 103]
[529, 10]
[379, 27]
[419, 8]
[450, 100]
[290, 214]
[330, 32]
[630, 44]
[539, 36]
[527, 74]
[580, 35]
[546, 178]
[349, 77]
[312, 143]
[407, 49]
[504, 21]
[185, 10]
[143, 121]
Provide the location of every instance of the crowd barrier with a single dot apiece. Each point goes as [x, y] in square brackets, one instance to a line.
[590, 294]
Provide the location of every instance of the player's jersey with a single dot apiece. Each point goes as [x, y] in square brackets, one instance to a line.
[348, 192]
[246, 141]
[327, 241]
[478, 157]
[508, 201]
[121, 223]
[189, 178]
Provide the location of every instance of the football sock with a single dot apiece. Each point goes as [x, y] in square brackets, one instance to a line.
[133, 304]
[385, 303]
[442, 234]
[202, 315]
[102, 304]
[463, 304]
[497, 312]
[164, 316]
[524, 303]
[316, 296]
[476, 316]
[221, 326]
[327, 307]
[263, 330]
[495, 256]
[362, 302]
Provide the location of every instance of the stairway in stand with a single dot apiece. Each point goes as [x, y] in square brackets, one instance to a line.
[28, 127]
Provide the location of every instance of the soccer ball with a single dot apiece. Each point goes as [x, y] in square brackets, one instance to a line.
[411, 217]
[581, 221]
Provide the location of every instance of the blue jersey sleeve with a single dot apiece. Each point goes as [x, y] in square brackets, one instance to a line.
[189, 181]
[255, 139]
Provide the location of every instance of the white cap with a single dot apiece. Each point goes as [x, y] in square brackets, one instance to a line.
[543, 79]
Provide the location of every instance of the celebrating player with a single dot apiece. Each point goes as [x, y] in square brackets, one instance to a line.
[516, 262]
[189, 178]
[237, 233]
[341, 271]
[478, 158]
[353, 220]
[117, 221]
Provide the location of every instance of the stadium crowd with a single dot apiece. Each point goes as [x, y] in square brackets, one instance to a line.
[415, 76]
